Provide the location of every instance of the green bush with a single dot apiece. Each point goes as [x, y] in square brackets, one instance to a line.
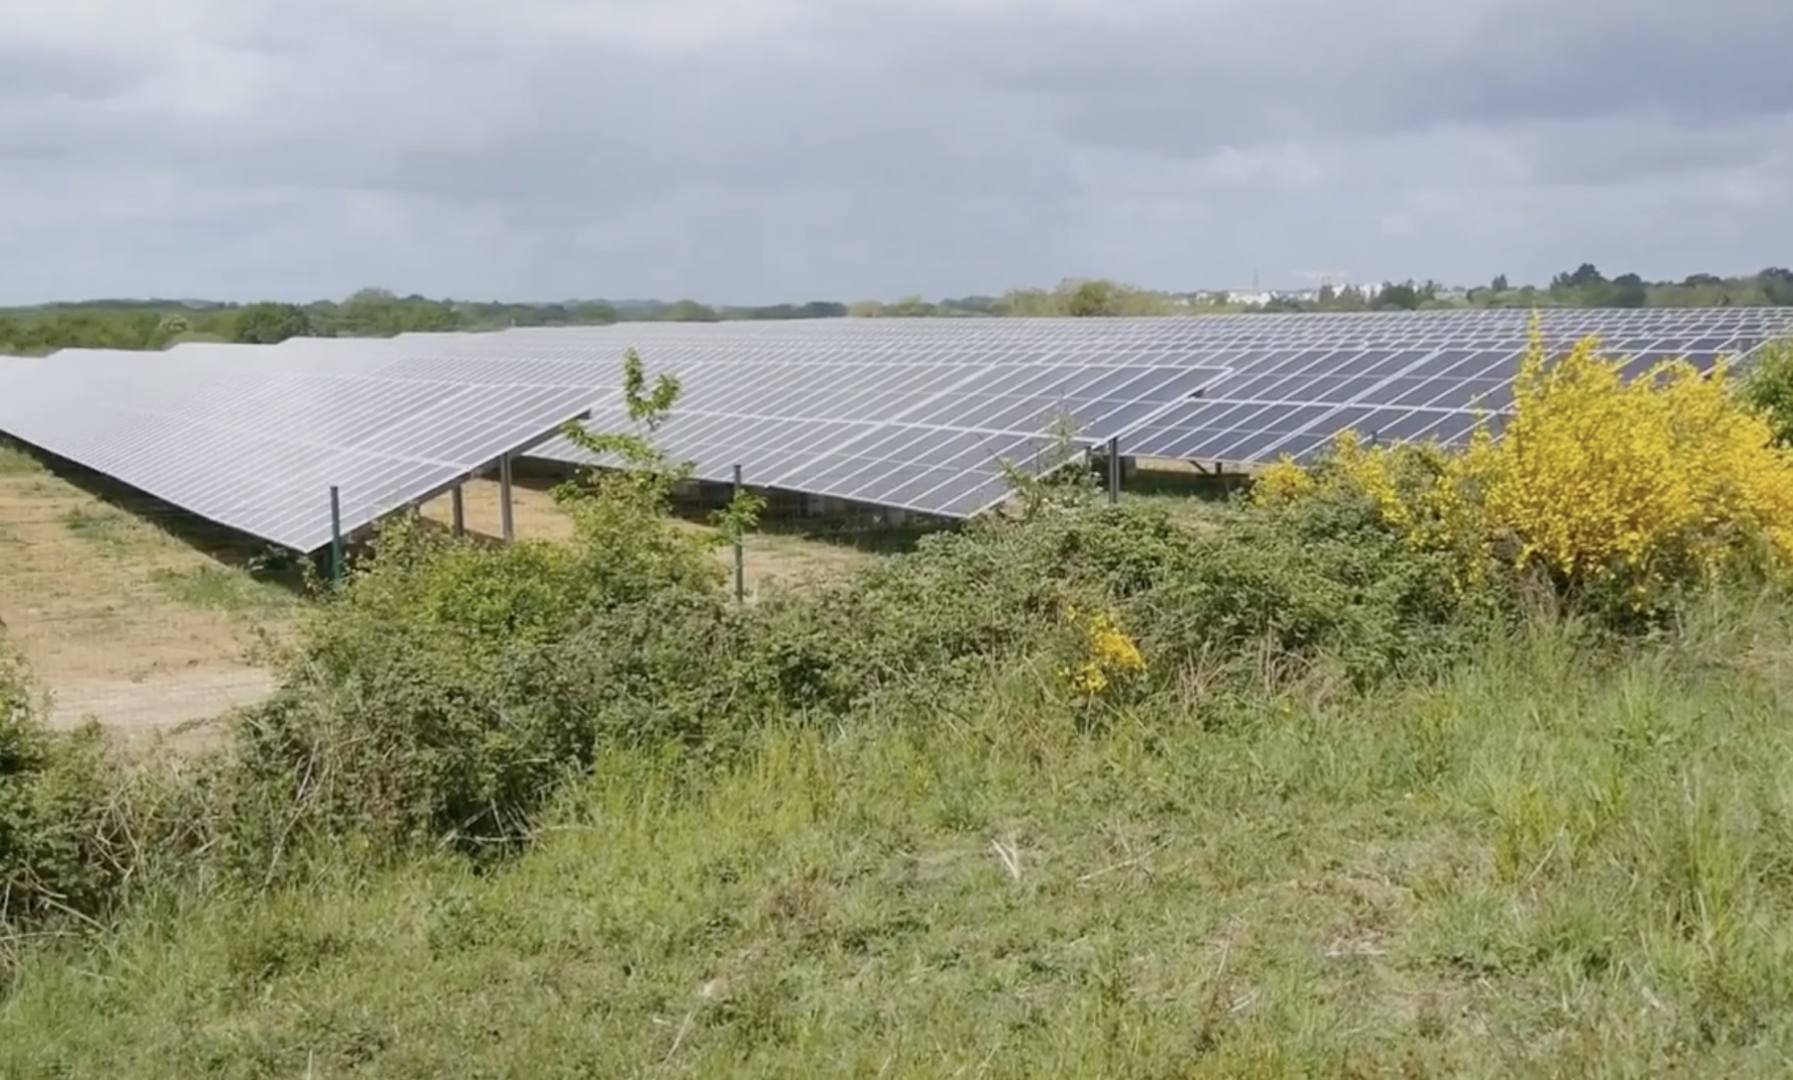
[1768, 388]
[58, 828]
[450, 685]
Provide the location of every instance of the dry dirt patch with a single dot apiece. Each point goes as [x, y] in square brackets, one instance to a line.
[121, 621]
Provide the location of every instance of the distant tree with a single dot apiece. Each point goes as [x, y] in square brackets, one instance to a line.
[1029, 302]
[689, 311]
[910, 307]
[271, 323]
[1777, 285]
[1328, 295]
[1585, 274]
[971, 305]
[1628, 291]
[1695, 280]
[1092, 298]
[374, 312]
[866, 309]
[1500, 284]
[590, 312]
[1405, 296]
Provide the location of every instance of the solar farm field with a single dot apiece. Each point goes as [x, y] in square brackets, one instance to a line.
[1414, 756]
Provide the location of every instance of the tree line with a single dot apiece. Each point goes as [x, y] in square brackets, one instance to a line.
[156, 324]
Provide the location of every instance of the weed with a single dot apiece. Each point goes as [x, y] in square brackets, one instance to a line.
[105, 528]
[218, 588]
[17, 462]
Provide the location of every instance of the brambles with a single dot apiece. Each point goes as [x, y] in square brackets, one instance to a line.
[55, 829]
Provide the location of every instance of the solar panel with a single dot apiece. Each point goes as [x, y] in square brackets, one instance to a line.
[1438, 383]
[1295, 380]
[254, 442]
[933, 438]
[918, 413]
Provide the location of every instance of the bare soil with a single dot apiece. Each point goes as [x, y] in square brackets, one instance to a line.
[85, 596]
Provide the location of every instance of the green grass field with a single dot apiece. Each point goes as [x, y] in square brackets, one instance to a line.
[1557, 859]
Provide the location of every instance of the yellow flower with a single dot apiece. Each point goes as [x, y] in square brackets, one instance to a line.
[1109, 654]
[1595, 476]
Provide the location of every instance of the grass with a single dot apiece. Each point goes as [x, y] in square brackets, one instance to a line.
[224, 589]
[16, 462]
[1560, 858]
[105, 528]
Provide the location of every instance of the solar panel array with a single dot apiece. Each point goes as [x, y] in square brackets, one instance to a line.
[1289, 383]
[932, 432]
[917, 413]
[238, 436]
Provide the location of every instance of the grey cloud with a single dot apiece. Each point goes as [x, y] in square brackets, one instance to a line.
[758, 150]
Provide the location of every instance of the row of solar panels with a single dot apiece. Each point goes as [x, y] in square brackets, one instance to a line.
[922, 414]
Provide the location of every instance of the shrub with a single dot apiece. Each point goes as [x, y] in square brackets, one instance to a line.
[1768, 388]
[1648, 484]
[444, 691]
[56, 830]
[1622, 495]
[1107, 655]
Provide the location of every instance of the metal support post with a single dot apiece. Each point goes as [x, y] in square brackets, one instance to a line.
[505, 515]
[1114, 470]
[740, 550]
[460, 512]
[335, 535]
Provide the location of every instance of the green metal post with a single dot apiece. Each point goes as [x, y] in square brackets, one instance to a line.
[740, 550]
[335, 535]
[1114, 470]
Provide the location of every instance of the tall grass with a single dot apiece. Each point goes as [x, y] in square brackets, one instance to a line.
[16, 462]
[1560, 857]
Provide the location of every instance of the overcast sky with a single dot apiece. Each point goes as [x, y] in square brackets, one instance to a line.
[755, 151]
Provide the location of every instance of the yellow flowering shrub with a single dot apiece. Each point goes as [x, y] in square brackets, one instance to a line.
[1597, 481]
[1282, 482]
[1649, 480]
[1109, 654]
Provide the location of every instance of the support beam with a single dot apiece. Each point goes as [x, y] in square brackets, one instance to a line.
[460, 512]
[335, 535]
[740, 549]
[505, 515]
[1114, 470]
